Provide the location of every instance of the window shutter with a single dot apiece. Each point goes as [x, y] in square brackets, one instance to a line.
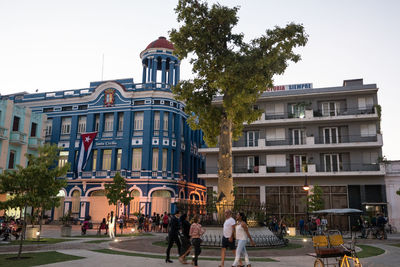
[279, 108]
[361, 103]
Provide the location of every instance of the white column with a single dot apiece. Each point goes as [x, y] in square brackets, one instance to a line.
[262, 194]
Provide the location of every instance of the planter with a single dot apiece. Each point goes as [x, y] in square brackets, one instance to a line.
[31, 232]
[66, 230]
[292, 231]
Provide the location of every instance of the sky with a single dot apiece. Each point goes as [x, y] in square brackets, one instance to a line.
[57, 45]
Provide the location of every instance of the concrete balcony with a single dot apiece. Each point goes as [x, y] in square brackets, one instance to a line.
[35, 142]
[309, 143]
[3, 133]
[316, 116]
[311, 170]
[17, 138]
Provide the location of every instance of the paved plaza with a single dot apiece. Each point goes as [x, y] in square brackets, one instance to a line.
[144, 248]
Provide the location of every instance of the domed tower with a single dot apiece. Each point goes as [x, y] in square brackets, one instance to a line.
[160, 66]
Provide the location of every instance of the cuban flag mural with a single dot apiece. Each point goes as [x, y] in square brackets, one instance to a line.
[86, 147]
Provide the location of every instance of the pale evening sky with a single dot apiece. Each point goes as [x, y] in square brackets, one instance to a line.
[57, 45]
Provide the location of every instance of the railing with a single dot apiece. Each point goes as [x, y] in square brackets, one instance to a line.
[152, 85]
[3, 133]
[317, 113]
[305, 168]
[18, 137]
[343, 112]
[348, 167]
[345, 139]
[35, 142]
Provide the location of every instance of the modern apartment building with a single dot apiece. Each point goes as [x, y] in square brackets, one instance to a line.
[321, 136]
[20, 134]
[141, 133]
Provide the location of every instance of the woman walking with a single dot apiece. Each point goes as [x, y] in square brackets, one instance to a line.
[111, 224]
[242, 233]
[196, 231]
[185, 238]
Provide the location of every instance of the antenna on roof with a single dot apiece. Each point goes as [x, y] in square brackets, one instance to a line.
[102, 68]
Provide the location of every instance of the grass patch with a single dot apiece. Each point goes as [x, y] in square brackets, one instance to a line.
[116, 252]
[105, 236]
[34, 259]
[42, 241]
[369, 251]
[97, 241]
[289, 246]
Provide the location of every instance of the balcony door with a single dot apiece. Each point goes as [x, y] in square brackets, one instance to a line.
[298, 137]
[253, 164]
[330, 108]
[332, 162]
[331, 135]
[252, 138]
[300, 163]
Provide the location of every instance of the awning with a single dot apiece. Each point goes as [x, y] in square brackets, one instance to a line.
[338, 211]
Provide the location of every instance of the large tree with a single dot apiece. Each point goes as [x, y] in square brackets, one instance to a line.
[229, 74]
[35, 185]
[117, 192]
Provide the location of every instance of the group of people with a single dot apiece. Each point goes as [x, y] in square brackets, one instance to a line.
[313, 224]
[378, 222]
[156, 223]
[233, 229]
[10, 227]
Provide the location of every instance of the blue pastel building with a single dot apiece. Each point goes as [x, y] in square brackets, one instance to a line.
[141, 133]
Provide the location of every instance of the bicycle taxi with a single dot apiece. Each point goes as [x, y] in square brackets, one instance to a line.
[330, 248]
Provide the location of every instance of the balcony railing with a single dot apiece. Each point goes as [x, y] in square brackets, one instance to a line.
[345, 139]
[34, 142]
[348, 167]
[17, 137]
[317, 113]
[308, 168]
[3, 133]
[343, 112]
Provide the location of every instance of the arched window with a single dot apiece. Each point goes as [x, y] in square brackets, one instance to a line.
[161, 193]
[98, 193]
[76, 197]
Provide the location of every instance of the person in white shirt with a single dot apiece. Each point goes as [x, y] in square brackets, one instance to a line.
[111, 225]
[242, 233]
[228, 240]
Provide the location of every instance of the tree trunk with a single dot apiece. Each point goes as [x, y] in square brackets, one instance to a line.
[115, 221]
[225, 179]
[22, 234]
[40, 224]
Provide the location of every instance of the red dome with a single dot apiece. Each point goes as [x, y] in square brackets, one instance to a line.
[161, 42]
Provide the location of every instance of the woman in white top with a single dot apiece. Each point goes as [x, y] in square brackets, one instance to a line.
[111, 224]
[242, 233]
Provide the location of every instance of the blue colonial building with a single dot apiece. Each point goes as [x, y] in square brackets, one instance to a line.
[141, 133]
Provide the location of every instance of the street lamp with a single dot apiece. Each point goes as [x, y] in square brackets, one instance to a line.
[306, 187]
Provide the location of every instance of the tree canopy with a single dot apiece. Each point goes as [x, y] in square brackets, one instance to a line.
[225, 65]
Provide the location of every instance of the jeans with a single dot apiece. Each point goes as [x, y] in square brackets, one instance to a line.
[197, 250]
[241, 249]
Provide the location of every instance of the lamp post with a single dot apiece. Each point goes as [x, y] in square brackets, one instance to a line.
[306, 188]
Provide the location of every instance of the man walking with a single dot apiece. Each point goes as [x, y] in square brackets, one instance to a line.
[228, 240]
[173, 235]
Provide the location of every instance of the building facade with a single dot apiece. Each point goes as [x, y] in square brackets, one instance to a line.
[392, 181]
[20, 134]
[323, 136]
[141, 133]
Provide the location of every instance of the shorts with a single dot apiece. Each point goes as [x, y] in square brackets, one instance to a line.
[227, 244]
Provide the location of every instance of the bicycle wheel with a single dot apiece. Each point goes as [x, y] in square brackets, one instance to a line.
[318, 263]
[394, 230]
